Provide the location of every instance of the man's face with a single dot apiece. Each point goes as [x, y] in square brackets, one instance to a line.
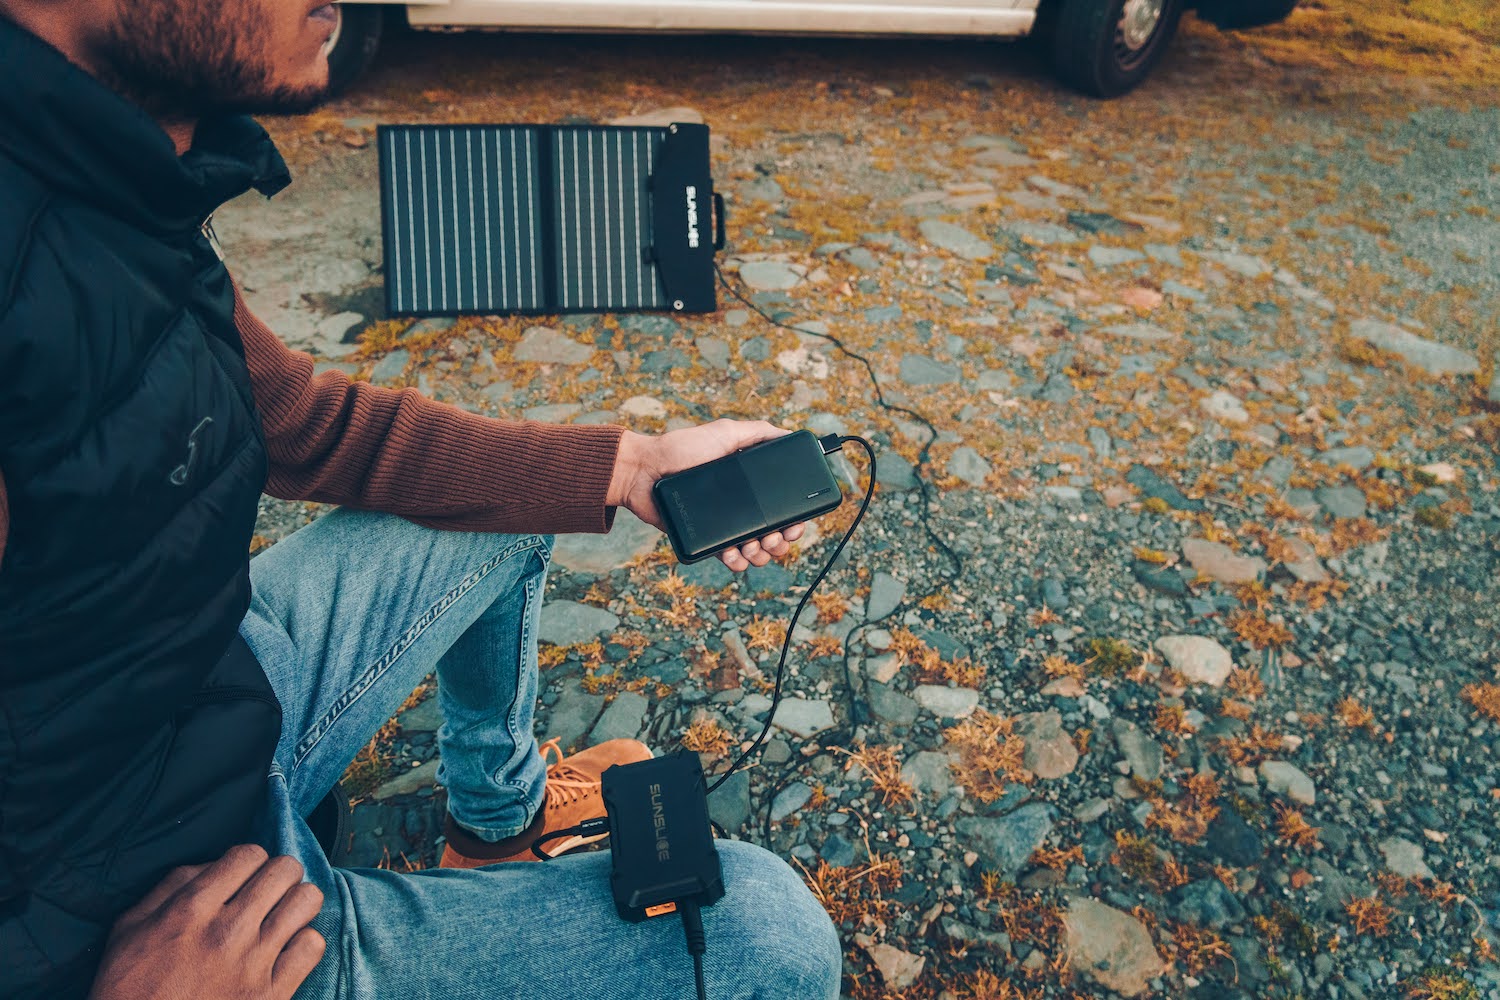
[192, 58]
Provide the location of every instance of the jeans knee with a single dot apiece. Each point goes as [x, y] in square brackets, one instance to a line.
[778, 928]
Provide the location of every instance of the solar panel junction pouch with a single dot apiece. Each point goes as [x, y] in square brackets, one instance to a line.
[505, 219]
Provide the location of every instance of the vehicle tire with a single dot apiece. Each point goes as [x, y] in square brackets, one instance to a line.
[355, 42]
[1234, 15]
[1107, 47]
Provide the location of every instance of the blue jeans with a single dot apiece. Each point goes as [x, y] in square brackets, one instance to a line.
[349, 614]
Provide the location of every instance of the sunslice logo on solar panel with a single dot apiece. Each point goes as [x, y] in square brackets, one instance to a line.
[692, 208]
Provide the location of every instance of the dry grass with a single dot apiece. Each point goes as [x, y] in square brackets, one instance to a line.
[1450, 40]
[857, 894]
[1252, 748]
[765, 633]
[1485, 698]
[1057, 858]
[1292, 827]
[1186, 819]
[1442, 984]
[708, 737]
[989, 755]
[882, 765]
[1370, 916]
[831, 606]
[1140, 859]
[1258, 630]
[1197, 949]
[1353, 715]
[370, 766]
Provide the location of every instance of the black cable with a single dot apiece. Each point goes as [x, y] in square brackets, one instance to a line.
[587, 828]
[786, 644]
[922, 457]
[697, 941]
[856, 715]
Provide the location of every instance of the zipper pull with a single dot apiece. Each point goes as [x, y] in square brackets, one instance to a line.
[207, 229]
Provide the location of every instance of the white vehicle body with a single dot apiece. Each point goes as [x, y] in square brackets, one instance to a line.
[997, 18]
[1101, 47]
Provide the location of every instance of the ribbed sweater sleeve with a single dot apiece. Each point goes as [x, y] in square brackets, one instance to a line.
[334, 440]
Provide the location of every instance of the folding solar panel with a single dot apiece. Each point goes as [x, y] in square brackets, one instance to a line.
[547, 219]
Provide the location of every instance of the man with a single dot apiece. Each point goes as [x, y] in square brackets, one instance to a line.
[169, 711]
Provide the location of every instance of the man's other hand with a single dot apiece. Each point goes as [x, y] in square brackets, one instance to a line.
[236, 929]
[644, 459]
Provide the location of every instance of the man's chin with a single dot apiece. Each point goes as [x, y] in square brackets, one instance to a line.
[283, 101]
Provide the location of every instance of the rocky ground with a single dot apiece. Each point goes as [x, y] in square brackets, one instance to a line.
[1166, 661]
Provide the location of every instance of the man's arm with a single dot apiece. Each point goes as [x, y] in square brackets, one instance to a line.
[338, 441]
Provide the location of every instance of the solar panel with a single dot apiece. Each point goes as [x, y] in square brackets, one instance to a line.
[528, 219]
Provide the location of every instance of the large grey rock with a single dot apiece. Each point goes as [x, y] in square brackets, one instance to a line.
[1226, 407]
[1404, 858]
[623, 718]
[729, 806]
[1049, 752]
[803, 717]
[898, 969]
[918, 369]
[956, 240]
[1199, 659]
[1141, 752]
[1433, 358]
[769, 275]
[661, 117]
[1357, 457]
[929, 772]
[886, 592]
[545, 345]
[574, 715]
[391, 366]
[424, 717]
[408, 782]
[1217, 561]
[969, 466]
[1207, 903]
[895, 472]
[891, 706]
[566, 623]
[1005, 843]
[596, 555]
[790, 799]
[714, 351]
[947, 702]
[1151, 483]
[1103, 256]
[1137, 331]
[1282, 778]
[1112, 948]
[1342, 501]
[1242, 264]
[1304, 563]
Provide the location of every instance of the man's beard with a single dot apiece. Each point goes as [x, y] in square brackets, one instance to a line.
[188, 60]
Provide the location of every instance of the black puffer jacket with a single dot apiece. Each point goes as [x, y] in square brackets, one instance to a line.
[135, 728]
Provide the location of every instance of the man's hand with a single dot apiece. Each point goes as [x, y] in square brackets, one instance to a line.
[232, 930]
[644, 459]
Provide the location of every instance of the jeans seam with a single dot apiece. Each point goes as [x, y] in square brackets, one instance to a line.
[512, 720]
[379, 668]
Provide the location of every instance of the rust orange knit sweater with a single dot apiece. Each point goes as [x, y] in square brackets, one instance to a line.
[338, 441]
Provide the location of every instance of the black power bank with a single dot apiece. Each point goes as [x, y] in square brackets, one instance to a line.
[766, 487]
[661, 846]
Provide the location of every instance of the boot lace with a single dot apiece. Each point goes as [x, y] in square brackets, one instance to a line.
[565, 783]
